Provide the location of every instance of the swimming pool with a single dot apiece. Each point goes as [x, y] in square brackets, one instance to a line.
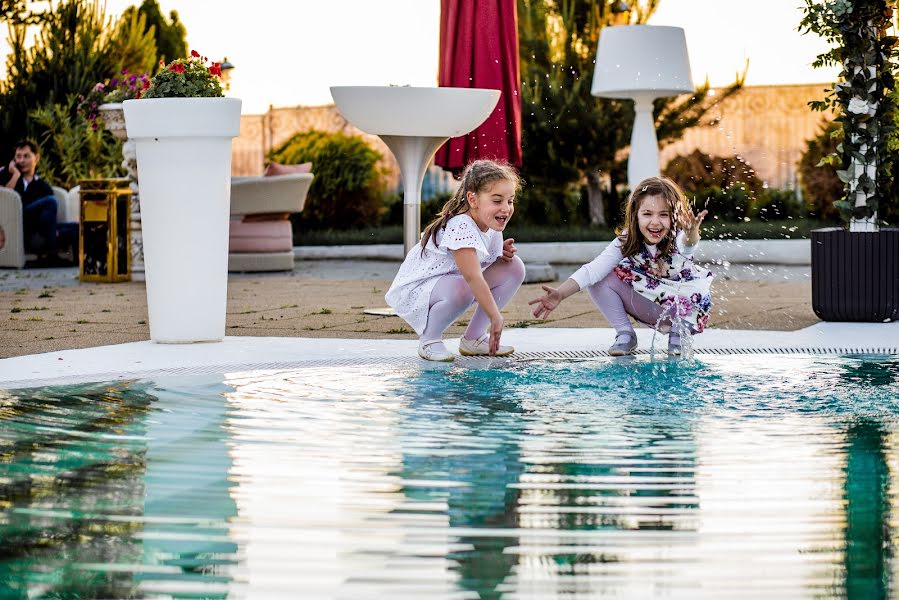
[725, 475]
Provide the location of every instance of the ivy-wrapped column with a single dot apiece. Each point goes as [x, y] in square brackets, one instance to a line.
[857, 28]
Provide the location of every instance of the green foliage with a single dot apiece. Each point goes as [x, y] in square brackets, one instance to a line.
[74, 49]
[862, 99]
[698, 171]
[186, 78]
[72, 150]
[17, 12]
[170, 37]
[135, 43]
[729, 188]
[775, 205]
[348, 188]
[569, 137]
[817, 173]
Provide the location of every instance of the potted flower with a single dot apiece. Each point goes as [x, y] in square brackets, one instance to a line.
[855, 272]
[103, 105]
[182, 127]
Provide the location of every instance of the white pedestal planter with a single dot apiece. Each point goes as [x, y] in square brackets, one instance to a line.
[184, 160]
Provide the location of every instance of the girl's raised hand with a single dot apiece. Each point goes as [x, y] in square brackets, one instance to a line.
[690, 221]
[546, 303]
[509, 249]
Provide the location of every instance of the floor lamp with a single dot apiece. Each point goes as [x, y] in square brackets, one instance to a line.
[642, 62]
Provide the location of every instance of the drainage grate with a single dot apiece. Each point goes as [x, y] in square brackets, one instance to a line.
[404, 361]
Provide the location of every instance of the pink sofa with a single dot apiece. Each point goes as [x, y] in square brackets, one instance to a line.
[261, 238]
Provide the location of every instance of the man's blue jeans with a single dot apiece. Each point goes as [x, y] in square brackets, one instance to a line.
[39, 221]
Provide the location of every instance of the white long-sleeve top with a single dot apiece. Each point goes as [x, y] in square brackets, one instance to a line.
[597, 269]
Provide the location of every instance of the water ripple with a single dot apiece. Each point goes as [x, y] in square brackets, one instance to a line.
[719, 476]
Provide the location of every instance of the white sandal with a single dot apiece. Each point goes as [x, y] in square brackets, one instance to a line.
[481, 347]
[436, 351]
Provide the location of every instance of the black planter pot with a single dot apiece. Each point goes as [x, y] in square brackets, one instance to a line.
[855, 276]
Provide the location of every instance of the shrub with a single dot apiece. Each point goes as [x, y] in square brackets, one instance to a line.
[776, 205]
[72, 149]
[348, 188]
[727, 186]
[820, 184]
[697, 172]
[550, 204]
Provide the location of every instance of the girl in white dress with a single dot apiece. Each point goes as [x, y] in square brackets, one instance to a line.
[462, 258]
[647, 272]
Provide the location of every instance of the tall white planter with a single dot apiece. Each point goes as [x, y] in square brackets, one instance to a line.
[184, 160]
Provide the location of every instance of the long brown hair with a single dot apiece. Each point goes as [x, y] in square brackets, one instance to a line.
[629, 232]
[476, 177]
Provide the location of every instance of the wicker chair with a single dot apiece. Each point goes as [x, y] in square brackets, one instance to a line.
[13, 253]
[264, 241]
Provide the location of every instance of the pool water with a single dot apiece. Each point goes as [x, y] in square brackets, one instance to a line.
[724, 476]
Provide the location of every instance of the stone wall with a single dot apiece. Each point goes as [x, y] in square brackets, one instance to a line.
[766, 125]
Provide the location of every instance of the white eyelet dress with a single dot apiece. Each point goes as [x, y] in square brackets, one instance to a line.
[410, 293]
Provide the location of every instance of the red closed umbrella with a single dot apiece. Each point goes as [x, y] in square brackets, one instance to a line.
[479, 49]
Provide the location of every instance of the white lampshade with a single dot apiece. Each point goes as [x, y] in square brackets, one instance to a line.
[635, 59]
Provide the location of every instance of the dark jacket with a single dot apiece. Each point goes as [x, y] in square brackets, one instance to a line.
[37, 189]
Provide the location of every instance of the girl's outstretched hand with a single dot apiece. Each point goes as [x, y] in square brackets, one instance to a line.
[496, 330]
[509, 249]
[546, 303]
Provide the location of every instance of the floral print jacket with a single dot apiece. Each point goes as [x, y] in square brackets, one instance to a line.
[674, 282]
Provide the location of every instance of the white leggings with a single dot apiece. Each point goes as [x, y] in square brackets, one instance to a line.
[616, 300]
[451, 297]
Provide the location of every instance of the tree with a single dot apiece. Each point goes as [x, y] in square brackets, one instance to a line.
[170, 37]
[17, 12]
[570, 138]
[135, 43]
[76, 47]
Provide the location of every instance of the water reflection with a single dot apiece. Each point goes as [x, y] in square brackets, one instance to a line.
[71, 476]
[114, 491]
[462, 431]
[187, 499]
[727, 476]
[867, 511]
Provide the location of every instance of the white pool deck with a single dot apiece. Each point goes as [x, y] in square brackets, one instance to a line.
[127, 361]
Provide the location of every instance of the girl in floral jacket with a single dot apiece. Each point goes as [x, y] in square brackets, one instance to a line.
[647, 272]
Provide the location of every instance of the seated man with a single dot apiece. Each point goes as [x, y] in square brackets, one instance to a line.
[38, 203]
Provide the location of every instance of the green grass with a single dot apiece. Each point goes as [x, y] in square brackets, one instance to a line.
[711, 230]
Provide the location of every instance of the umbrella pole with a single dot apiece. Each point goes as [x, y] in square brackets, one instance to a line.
[414, 154]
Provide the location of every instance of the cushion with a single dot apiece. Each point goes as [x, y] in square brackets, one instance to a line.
[261, 236]
[279, 169]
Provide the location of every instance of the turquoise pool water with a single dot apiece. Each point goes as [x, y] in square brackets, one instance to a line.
[725, 476]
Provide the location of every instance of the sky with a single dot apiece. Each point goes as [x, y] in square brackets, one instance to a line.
[288, 52]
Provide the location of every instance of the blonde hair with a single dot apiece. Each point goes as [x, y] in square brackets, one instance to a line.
[476, 177]
[629, 233]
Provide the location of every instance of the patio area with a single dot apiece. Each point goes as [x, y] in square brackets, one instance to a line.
[47, 310]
